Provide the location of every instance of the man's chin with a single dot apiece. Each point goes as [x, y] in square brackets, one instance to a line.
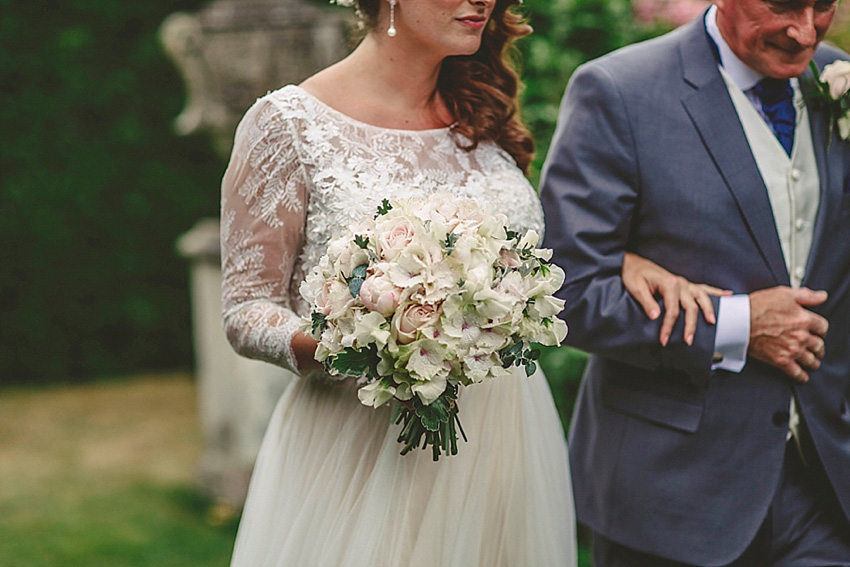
[789, 65]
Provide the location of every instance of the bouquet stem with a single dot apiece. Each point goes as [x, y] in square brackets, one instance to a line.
[434, 425]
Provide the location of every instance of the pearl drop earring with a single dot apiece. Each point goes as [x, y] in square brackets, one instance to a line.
[391, 30]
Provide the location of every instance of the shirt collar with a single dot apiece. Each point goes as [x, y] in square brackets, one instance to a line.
[744, 77]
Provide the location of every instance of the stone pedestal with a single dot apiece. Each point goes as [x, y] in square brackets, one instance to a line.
[235, 395]
[231, 53]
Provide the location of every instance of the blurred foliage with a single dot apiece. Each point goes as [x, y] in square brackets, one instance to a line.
[94, 189]
[563, 367]
[566, 34]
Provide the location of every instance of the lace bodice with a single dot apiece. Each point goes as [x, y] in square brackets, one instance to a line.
[300, 173]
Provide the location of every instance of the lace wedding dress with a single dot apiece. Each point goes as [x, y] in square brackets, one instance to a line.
[329, 488]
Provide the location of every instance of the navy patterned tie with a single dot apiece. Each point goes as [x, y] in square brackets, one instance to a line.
[777, 101]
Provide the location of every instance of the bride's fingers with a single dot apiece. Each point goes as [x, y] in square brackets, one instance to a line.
[711, 290]
[671, 298]
[692, 310]
[647, 301]
[706, 307]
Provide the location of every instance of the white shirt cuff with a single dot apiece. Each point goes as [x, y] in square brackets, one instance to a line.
[733, 333]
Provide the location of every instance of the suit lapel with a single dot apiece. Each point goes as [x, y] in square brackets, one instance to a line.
[713, 114]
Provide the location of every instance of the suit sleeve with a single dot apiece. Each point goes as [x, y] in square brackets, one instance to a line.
[590, 191]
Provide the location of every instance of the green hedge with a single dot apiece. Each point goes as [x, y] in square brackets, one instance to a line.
[95, 188]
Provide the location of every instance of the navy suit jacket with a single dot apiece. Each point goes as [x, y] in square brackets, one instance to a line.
[649, 156]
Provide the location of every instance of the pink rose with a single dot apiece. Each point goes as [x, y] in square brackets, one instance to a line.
[393, 236]
[379, 294]
[837, 76]
[411, 319]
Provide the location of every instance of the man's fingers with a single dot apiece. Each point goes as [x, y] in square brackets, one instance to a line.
[796, 372]
[809, 360]
[819, 325]
[809, 297]
[816, 346]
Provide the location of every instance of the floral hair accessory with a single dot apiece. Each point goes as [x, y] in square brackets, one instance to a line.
[830, 91]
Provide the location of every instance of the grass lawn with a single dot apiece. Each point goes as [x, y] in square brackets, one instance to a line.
[101, 475]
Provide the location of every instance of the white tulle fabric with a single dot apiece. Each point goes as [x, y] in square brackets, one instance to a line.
[329, 488]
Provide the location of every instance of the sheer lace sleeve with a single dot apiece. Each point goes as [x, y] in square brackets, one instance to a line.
[262, 224]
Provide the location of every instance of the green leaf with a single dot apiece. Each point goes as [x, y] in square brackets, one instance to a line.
[361, 241]
[530, 367]
[320, 321]
[360, 271]
[449, 244]
[384, 208]
[433, 415]
[354, 285]
[354, 362]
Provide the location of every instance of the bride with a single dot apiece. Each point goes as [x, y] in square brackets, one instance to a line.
[426, 102]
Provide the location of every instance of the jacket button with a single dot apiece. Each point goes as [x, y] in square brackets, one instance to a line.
[780, 418]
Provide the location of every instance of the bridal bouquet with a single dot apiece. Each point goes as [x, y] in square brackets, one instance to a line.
[428, 296]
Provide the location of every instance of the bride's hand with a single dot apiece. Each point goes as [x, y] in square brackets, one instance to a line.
[304, 348]
[645, 279]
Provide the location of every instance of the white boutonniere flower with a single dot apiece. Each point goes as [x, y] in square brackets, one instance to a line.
[830, 91]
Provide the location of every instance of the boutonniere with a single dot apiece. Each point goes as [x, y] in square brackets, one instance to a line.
[830, 91]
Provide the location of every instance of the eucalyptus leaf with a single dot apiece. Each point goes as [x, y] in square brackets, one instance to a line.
[360, 271]
[354, 285]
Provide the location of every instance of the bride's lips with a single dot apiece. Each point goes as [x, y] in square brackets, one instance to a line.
[473, 22]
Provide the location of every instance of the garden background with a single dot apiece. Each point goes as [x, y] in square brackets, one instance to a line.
[98, 429]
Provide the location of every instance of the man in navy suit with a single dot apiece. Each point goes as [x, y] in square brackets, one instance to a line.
[697, 151]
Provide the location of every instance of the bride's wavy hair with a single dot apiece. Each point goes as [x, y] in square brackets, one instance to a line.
[482, 89]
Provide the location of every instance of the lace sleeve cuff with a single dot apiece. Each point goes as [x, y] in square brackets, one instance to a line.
[263, 330]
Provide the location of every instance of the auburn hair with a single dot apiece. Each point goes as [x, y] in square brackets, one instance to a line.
[482, 90]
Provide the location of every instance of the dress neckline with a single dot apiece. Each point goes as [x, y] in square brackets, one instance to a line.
[347, 118]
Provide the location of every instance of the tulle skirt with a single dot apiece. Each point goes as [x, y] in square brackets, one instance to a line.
[330, 489]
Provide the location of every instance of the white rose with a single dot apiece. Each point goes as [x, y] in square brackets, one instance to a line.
[408, 321]
[837, 76]
[394, 235]
[379, 294]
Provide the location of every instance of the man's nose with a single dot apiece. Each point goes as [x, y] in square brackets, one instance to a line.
[802, 30]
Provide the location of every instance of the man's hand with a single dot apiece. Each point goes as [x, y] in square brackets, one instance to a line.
[784, 333]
